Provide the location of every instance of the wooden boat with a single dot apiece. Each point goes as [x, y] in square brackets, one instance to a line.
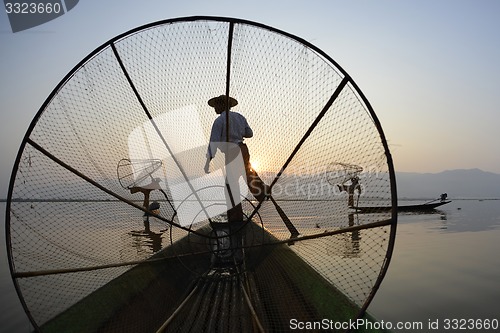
[165, 294]
[405, 208]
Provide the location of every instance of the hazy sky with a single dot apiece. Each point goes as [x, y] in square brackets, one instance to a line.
[430, 68]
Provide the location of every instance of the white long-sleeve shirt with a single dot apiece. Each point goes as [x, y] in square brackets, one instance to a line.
[238, 130]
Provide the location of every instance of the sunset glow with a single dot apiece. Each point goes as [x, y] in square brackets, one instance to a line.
[255, 165]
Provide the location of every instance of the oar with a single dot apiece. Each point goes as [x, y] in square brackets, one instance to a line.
[293, 231]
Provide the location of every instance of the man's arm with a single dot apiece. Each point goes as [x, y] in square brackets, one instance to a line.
[212, 145]
[215, 135]
[248, 130]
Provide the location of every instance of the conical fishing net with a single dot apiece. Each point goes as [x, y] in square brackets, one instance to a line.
[114, 225]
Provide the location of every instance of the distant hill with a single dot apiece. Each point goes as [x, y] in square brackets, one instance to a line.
[462, 183]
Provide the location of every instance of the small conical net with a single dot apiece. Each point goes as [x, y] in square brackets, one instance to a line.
[113, 224]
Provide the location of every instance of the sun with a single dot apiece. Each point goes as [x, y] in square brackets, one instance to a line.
[254, 165]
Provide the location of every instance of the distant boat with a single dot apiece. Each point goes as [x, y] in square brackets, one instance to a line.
[406, 208]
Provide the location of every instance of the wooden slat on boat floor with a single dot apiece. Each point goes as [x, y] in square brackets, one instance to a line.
[218, 305]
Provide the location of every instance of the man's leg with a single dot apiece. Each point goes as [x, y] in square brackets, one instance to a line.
[232, 190]
[258, 188]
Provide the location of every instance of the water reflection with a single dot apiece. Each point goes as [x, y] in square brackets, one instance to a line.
[460, 216]
[434, 215]
[446, 263]
[348, 260]
[144, 243]
[346, 245]
[148, 242]
[352, 244]
[433, 211]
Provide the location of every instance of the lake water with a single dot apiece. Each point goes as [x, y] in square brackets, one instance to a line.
[445, 266]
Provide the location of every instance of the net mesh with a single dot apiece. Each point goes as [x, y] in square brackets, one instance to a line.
[97, 234]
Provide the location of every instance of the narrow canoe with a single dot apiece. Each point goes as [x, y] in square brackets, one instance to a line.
[282, 286]
[406, 208]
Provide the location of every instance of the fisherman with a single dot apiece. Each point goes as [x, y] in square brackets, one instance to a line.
[350, 189]
[155, 206]
[238, 130]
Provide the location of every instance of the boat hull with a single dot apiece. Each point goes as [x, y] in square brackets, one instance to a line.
[406, 208]
[280, 284]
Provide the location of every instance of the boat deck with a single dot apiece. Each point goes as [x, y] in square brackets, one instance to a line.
[217, 304]
[272, 286]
